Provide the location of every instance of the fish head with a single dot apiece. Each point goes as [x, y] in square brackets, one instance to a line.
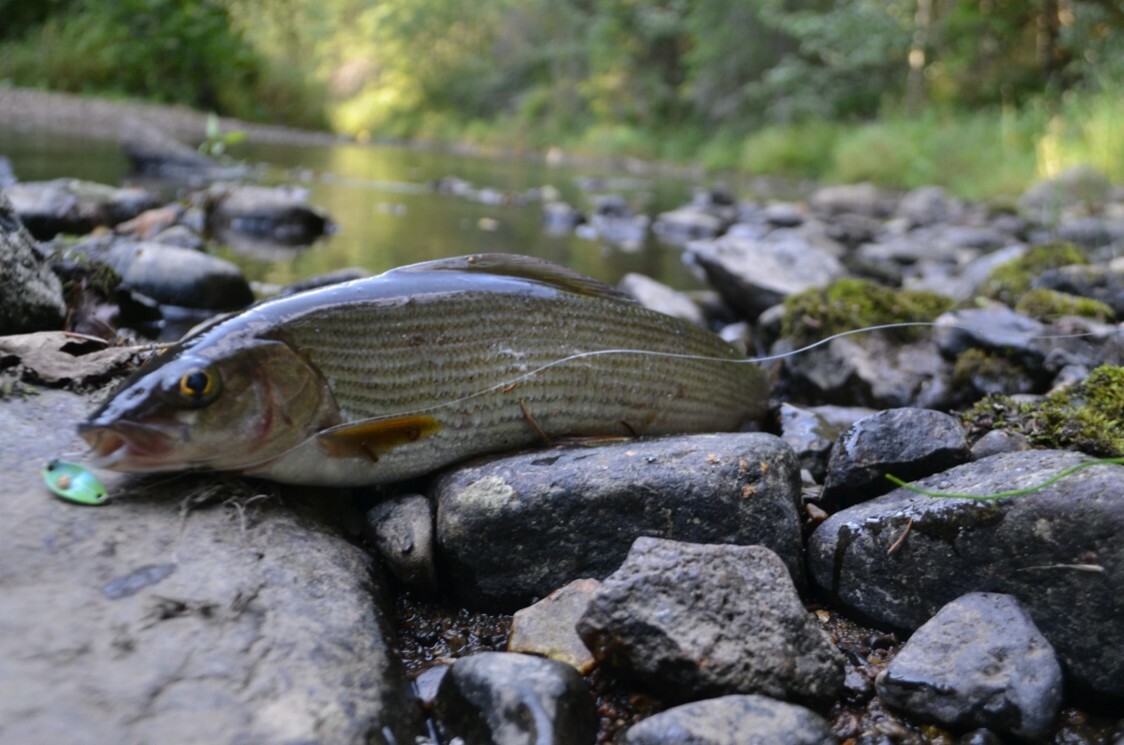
[225, 409]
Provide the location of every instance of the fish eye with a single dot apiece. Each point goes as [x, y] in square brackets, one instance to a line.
[197, 385]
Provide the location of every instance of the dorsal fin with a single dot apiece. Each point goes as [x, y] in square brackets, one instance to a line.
[524, 267]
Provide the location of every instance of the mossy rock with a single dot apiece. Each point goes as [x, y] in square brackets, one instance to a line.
[992, 373]
[1009, 281]
[1088, 416]
[850, 304]
[1050, 305]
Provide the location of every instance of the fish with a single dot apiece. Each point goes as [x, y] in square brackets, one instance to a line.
[392, 377]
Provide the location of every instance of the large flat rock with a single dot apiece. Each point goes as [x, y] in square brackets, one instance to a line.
[240, 620]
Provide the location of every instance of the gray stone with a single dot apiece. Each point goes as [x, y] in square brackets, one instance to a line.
[259, 213]
[871, 370]
[186, 610]
[180, 276]
[1080, 186]
[547, 628]
[402, 531]
[500, 698]
[180, 236]
[783, 214]
[753, 275]
[518, 527]
[908, 443]
[48, 208]
[810, 436]
[32, 293]
[733, 720]
[693, 621]
[1059, 550]
[979, 662]
[999, 441]
[661, 298]
[561, 217]
[860, 199]
[925, 206]
[687, 224]
[994, 328]
[1097, 282]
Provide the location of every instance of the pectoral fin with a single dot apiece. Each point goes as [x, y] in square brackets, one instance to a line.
[373, 437]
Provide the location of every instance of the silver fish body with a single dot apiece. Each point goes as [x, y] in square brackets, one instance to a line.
[398, 375]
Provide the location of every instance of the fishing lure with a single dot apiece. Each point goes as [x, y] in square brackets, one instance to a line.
[74, 483]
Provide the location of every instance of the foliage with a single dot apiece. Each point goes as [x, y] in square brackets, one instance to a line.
[981, 96]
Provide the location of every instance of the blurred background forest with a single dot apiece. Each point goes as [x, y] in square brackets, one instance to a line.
[981, 96]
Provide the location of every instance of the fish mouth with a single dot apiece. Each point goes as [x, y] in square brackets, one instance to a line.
[127, 446]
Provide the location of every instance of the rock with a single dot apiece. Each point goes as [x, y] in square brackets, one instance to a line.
[1080, 186]
[692, 621]
[908, 443]
[7, 175]
[999, 441]
[259, 213]
[659, 297]
[48, 208]
[979, 662]
[687, 224]
[964, 283]
[518, 527]
[179, 276]
[561, 217]
[1091, 233]
[994, 328]
[926, 205]
[1096, 282]
[428, 683]
[871, 371]
[501, 698]
[733, 720]
[180, 236]
[783, 214]
[753, 275]
[153, 152]
[547, 628]
[32, 293]
[809, 435]
[186, 610]
[859, 199]
[402, 531]
[1059, 550]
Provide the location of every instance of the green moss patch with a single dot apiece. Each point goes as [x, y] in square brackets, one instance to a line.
[1011, 280]
[1050, 305]
[854, 304]
[1088, 416]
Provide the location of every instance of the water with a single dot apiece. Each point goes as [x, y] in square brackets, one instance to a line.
[388, 214]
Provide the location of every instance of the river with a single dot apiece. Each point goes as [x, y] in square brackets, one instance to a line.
[387, 212]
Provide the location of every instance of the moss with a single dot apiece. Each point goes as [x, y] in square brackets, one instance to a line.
[1011, 280]
[1088, 416]
[857, 303]
[1050, 305]
[991, 372]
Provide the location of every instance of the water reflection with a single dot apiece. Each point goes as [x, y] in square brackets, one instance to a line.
[388, 213]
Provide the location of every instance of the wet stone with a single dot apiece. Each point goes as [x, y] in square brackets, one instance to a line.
[907, 443]
[518, 527]
[512, 699]
[275, 214]
[547, 628]
[690, 621]
[180, 276]
[73, 206]
[402, 531]
[897, 559]
[733, 720]
[979, 662]
[810, 436]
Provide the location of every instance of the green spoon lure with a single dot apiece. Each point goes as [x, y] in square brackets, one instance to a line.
[74, 483]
